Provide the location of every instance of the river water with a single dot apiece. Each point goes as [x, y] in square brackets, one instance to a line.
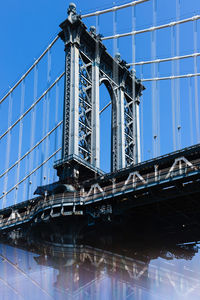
[137, 270]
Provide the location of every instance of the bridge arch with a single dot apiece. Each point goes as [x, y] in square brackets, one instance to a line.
[111, 107]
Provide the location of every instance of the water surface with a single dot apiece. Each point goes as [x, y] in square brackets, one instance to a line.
[64, 271]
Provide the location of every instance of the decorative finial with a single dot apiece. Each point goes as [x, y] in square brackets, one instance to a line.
[72, 14]
[133, 72]
[93, 30]
[118, 57]
[72, 8]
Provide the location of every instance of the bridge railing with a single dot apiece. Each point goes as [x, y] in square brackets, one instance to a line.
[137, 181]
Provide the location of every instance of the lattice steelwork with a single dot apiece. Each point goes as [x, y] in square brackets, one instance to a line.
[129, 130]
[85, 107]
[88, 65]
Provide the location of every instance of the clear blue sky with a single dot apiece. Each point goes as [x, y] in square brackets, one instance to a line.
[28, 26]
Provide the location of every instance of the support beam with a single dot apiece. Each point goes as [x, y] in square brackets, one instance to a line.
[71, 102]
[121, 162]
[95, 157]
[137, 131]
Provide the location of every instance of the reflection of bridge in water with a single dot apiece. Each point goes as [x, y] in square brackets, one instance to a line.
[85, 271]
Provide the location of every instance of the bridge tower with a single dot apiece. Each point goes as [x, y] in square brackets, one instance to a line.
[87, 66]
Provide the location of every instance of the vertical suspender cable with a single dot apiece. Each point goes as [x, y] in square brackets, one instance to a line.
[95, 141]
[37, 174]
[7, 161]
[178, 111]
[20, 138]
[33, 124]
[24, 184]
[115, 41]
[45, 118]
[172, 89]
[97, 24]
[133, 48]
[35, 116]
[48, 109]
[43, 133]
[154, 84]
[196, 83]
[142, 118]
[158, 110]
[26, 188]
[190, 110]
[56, 121]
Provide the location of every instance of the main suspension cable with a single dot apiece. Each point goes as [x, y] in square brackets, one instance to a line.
[150, 29]
[33, 148]
[32, 106]
[30, 69]
[170, 77]
[112, 9]
[160, 60]
[27, 176]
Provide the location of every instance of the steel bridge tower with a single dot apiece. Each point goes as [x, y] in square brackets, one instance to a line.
[87, 66]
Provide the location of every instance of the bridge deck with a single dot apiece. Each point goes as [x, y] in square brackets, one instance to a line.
[174, 175]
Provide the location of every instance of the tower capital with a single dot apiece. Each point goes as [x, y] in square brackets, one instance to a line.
[72, 26]
[72, 14]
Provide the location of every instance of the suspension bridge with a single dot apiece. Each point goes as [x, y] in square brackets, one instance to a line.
[53, 150]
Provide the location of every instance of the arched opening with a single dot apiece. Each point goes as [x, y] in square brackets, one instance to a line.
[105, 126]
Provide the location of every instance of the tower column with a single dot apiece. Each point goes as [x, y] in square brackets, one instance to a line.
[74, 102]
[71, 32]
[71, 101]
[95, 157]
[121, 162]
[137, 130]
